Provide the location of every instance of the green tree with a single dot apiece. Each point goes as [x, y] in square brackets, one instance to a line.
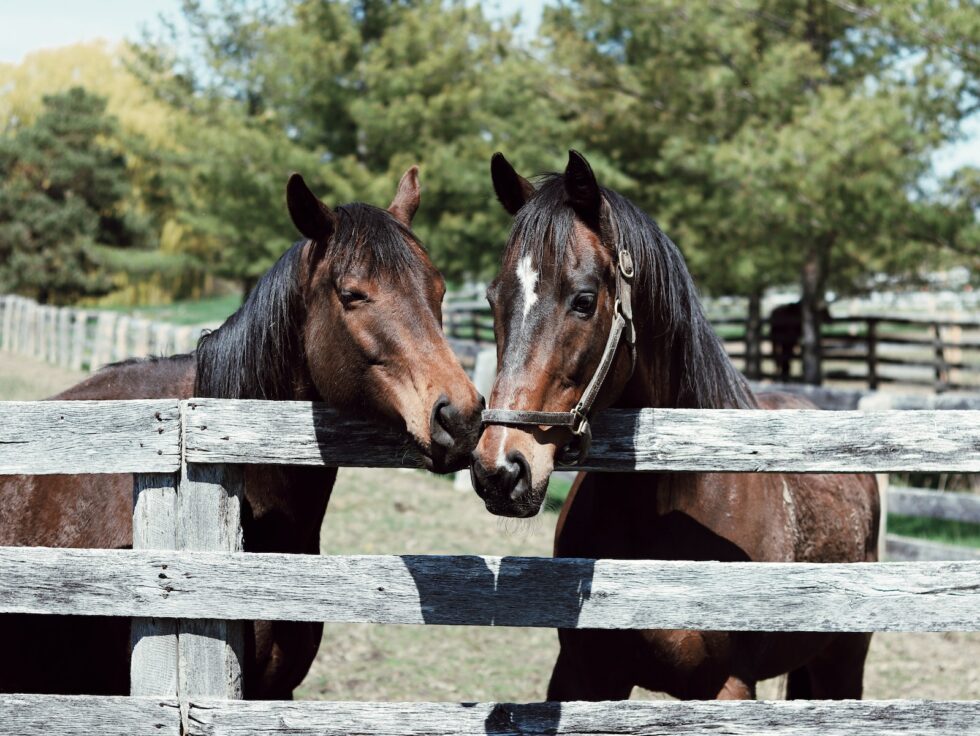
[780, 140]
[61, 192]
[363, 90]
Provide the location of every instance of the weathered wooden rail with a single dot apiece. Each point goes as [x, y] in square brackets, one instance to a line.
[187, 585]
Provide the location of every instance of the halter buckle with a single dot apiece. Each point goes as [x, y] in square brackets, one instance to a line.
[576, 451]
[626, 264]
[580, 423]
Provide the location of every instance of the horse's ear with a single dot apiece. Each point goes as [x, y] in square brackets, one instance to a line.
[512, 189]
[406, 201]
[582, 189]
[310, 216]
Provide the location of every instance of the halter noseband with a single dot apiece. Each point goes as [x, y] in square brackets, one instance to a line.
[577, 420]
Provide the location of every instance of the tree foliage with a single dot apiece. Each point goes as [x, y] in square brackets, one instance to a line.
[61, 188]
[777, 141]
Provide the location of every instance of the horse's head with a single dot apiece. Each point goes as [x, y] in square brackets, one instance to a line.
[553, 303]
[373, 331]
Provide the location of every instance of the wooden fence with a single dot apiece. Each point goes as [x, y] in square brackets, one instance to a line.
[82, 339]
[873, 350]
[187, 585]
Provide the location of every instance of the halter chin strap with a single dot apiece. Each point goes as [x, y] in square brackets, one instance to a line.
[577, 420]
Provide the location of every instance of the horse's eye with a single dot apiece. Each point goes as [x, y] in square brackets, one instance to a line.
[584, 303]
[349, 297]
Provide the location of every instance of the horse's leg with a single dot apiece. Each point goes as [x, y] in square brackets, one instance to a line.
[584, 671]
[798, 686]
[837, 673]
[737, 688]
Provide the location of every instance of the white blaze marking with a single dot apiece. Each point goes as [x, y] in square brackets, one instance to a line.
[529, 280]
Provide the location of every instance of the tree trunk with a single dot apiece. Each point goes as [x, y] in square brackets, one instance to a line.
[753, 336]
[810, 303]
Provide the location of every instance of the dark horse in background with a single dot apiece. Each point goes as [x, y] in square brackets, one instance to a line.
[553, 305]
[350, 316]
[785, 331]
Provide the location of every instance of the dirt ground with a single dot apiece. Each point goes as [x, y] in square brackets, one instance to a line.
[399, 512]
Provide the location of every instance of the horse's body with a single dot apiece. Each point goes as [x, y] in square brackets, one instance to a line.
[554, 303]
[349, 317]
[91, 655]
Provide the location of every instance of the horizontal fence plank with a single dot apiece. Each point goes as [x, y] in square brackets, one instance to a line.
[84, 715]
[650, 718]
[493, 591]
[31, 715]
[934, 504]
[232, 431]
[910, 549]
[45, 437]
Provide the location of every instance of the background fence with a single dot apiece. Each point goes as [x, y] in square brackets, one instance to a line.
[85, 339]
[187, 584]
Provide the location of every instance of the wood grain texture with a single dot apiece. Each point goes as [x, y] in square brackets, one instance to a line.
[235, 431]
[153, 660]
[84, 715]
[679, 440]
[650, 718]
[44, 715]
[934, 504]
[493, 591]
[209, 501]
[44, 437]
[908, 549]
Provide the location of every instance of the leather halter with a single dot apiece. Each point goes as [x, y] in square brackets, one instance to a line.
[577, 420]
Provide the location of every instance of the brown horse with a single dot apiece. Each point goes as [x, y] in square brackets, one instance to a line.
[350, 316]
[553, 305]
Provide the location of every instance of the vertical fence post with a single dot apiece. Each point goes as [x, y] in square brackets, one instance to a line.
[64, 336]
[209, 500]
[8, 314]
[121, 351]
[104, 331]
[153, 641]
[872, 353]
[79, 340]
[942, 369]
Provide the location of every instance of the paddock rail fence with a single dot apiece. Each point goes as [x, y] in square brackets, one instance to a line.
[80, 339]
[187, 584]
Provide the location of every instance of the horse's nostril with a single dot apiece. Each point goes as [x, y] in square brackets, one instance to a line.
[519, 473]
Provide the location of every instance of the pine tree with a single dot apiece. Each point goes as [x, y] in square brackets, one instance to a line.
[61, 191]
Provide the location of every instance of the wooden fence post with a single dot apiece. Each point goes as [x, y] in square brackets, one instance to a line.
[104, 332]
[209, 500]
[942, 369]
[64, 337]
[209, 519]
[79, 341]
[153, 641]
[8, 314]
[872, 353]
[121, 350]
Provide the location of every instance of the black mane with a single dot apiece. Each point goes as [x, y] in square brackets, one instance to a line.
[255, 353]
[664, 295]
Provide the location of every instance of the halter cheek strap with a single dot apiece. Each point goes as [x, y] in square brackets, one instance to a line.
[577, 420]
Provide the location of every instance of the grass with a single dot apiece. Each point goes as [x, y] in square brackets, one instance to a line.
[212, 310]
[962, 533]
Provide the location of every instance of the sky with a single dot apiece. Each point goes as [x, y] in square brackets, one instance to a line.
[28, 25]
